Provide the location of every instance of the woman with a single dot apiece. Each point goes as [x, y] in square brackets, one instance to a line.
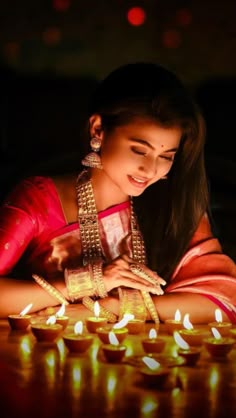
[132, 228]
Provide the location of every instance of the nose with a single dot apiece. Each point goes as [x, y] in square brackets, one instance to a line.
[149, 168]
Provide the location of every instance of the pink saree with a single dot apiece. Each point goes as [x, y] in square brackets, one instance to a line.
[35, 238]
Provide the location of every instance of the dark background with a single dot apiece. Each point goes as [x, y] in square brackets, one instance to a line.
[53, 52]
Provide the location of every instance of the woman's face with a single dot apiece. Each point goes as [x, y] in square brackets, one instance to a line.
[138, 154]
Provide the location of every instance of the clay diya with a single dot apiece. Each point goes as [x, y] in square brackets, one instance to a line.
[78, 342]
[218, 346]
[21, 321]
[153, 344]
[48, 331]
[113, 352]
[190, 354]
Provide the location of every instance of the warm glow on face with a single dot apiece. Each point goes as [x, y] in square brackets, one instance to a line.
[51, 320]
[180, 341]
[216, 333]
[186, 322]
[113, 339]
[151, 363]
[26, 309]
[177, 315]
[124, 321]
[218, 315]
[152, 333]
[96, 309]
[61, 311]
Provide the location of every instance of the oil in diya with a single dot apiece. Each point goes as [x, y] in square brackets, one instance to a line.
[46, 331]
[153, 374]
[113, 352]
[78, 342]
[61, 318]
[21, 321]
[193, 336]
[190, 354]
[218, 346]
[223, 327]
[153, 344]
[174, 324]
[93, 322]
[119, 330]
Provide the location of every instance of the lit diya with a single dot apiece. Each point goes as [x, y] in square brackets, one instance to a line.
[190, 354]
[154, 373]
[48, 331]
[218, 346]
[113, 352]
[135, 326]
[119, 330]
[174, 324]
[93, 322]
[153, 344]
[78, 341]
[222, 327]
[61, 318]
[193, 336]
[21, 321]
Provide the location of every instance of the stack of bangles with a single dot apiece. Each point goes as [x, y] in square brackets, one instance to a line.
[87, 281]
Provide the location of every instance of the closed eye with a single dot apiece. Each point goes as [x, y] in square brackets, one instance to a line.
[168, 158]
[138, 151]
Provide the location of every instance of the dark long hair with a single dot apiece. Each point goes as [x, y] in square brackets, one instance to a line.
[168, 211]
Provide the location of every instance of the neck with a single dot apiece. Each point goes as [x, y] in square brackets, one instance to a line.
[106, 193]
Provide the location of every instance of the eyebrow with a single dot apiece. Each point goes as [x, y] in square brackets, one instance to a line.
[143, 142]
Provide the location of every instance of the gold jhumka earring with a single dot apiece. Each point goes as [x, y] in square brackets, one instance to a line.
[93, 159]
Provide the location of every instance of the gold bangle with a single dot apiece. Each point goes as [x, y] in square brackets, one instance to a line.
[98, 279]
[79, 282]
[131, 301]
[150, 307]
[89, 303]
[51, 290]
[137, 269]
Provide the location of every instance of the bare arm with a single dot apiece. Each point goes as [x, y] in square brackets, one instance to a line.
[15, 295]
[201, 309]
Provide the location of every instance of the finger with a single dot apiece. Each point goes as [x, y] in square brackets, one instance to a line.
[137, 281]
[134, 284]
[144, 272]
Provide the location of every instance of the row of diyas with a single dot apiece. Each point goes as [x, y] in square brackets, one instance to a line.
[52, 328]
[196, 335]
[22, 321]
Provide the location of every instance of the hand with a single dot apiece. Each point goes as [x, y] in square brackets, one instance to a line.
[118, 273]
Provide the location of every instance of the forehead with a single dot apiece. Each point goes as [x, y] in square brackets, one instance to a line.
[151, 132]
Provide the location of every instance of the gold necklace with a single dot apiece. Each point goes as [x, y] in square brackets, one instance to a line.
[90, 238]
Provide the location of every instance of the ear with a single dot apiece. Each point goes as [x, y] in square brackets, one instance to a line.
[95, 126]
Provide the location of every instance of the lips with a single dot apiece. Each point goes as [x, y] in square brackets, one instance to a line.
[138, 182]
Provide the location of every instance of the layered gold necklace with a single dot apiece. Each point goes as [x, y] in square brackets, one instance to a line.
[90, 238]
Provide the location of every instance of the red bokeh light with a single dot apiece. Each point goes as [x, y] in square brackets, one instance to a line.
[51, 36]
[61, 5]
[171, 38]
[11, 50]
[183, 17]
[136, 16]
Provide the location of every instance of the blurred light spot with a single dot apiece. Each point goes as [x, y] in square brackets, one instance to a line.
[183, 17]
[136, 16]
[61, 5]
[171, 38]
[11, 50]
[51, 36]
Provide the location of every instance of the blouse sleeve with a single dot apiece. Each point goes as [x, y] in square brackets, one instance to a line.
[21, 218]
[205, 270]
